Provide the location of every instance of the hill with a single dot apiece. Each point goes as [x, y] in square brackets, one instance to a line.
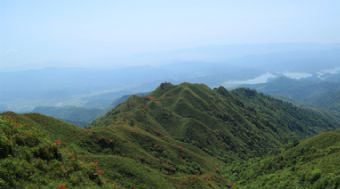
[228, 124]
[30, 158]
[313, 163]
[80, 116]
[314, 92]
[179, 136]
[121, 157]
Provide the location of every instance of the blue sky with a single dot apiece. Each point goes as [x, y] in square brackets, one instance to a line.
[43, 33]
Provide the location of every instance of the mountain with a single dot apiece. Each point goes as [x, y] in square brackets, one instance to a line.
[227, 124]
[123, 157]
[32, 156]
[24, 89]
[76, 115]
[312, 163]
[178, 136]
[82, 116]
[314, 92]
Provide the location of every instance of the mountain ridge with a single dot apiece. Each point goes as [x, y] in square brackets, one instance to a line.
[178, 136]
[177, 109]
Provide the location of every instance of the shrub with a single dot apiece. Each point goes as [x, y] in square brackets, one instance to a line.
[26, 139]
[5, 147]
[314, 175]
[48, 153]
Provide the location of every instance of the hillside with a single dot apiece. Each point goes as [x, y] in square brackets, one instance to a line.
[228, 124]
[313, 163]
[30, 158]
[314, 92]
[83, 115]
[122, 157]
[80, 116]
[180, 136]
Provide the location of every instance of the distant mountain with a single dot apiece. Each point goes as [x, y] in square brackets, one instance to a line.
[312, 163]
[222, 123]
[313, 92]
[81, 116]
[23, 90]
[333, 77]
[76, 115]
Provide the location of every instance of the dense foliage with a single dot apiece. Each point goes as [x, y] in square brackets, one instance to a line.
[229, 125]
[313, 92]
[314, 164]
[178, 137]
[123, 157]
[28, 159]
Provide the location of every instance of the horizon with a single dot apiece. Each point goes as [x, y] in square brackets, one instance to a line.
[59, 52]
[42, 34]
[171, 94]
[216, 54]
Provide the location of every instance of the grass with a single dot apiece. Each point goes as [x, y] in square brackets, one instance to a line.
[180, 136]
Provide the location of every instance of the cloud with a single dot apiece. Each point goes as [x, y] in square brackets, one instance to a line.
[264, 78]
[297, 75]
[332, 71]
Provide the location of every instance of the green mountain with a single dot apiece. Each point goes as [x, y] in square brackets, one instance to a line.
[228, 124]
[76, 115]
[33, 156]
[122, 157]
[81, 116]
[313, 163]
[179, 136]
[314, 92]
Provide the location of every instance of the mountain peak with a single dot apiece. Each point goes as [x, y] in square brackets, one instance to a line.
[165, 85]
[217, 121]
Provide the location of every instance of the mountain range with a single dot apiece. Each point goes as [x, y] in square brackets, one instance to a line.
[320, 93]
[178, 136]
[24, 89]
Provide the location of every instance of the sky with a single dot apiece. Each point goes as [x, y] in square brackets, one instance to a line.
[47, 33]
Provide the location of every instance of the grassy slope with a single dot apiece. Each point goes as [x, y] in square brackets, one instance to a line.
[174, 138]
[241, 123]
[314, 163]
[318, 93]
[129, 156]
[30, 159]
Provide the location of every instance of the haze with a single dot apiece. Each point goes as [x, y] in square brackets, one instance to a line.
[37, 33]
[90, 53]
[170, 94]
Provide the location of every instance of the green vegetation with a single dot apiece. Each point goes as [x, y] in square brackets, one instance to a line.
[28, 159]
[76, 115]
[313, 92]
[224, 124]
[123, 157]
[184, 136]
[314, 163]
